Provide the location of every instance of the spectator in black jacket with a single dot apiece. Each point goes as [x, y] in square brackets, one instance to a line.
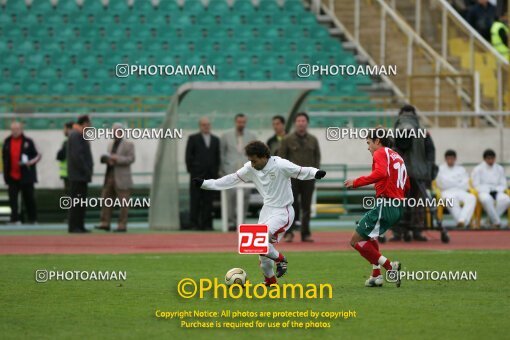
[203, 161]
[419, 156]
[20, 157]
[481, 16]
[79, 172]
[279, 134]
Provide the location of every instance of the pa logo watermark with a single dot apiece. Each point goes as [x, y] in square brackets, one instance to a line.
[253, 239]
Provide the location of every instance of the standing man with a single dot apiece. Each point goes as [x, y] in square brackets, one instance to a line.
[79, 171]
[117, 179]
[62, 158]
[453, 181]
[489, 180]
[232, 145]
[202, 160]
[419, 155]
[20, 158]
[481, 16]
[302, 149]
[499, 36]
[279, 133]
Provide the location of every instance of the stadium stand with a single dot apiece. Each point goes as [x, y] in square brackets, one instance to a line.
[62, 58]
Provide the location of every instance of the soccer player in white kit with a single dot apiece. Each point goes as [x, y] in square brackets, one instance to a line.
[489, 180]
[271, 176]
[453, 181]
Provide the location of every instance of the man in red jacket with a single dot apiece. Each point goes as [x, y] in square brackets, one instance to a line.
[20, 157]
[389, 177]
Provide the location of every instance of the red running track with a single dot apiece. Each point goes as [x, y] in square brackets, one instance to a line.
[218, 242]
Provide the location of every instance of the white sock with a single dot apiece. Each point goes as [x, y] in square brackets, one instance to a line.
[273, 253]
[266, 264]
[382, 260]
[376, 266]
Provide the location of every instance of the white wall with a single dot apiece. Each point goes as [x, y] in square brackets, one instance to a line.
[469, 144]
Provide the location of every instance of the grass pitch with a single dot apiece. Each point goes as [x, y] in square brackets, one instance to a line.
[108, 309]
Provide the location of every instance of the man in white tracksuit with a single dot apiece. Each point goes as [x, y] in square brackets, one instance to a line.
[453, 181]
[489, 180]
[271, 176]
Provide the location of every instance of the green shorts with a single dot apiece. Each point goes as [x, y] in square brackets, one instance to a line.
[378, 220]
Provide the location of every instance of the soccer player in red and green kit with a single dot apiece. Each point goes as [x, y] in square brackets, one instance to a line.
[391, 182]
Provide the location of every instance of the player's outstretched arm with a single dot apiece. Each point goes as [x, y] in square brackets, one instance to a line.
[300, 172]
[378, 173]
[225, 182]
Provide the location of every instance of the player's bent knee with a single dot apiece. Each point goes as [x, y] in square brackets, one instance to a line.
[273, 238]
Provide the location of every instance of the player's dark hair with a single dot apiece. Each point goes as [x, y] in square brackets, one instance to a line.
[489, 153]
[407, 109]
[69, 124]
[257, 148]
[280, 118]
[239, 115]
[381, 134]
[83, 119]
[302, 114]
[450, 153]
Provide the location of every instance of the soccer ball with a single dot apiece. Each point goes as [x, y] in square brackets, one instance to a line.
[236, 275]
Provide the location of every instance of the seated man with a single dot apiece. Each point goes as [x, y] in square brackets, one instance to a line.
[453, 181]
[490, 181]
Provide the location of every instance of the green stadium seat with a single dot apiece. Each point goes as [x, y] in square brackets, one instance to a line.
[13, 32]
[256, 20]
[217, 7]
[306, 20]
[6, 88]
[58, 88]
[34, 59]
[193, 7]
[245, 7]
[5, 19]
[269, 6]
[47, 73]
[293, 6]
[168, 6]
[283, 20]
[17, 7]
[119, 7]
[43, 7]
[21, 74]
[144, 6]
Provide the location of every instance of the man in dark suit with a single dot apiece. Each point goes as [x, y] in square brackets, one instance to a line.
[20, 157]
[79, 172]
[203, 161]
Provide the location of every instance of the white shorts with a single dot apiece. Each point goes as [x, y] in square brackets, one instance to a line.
[278, 220]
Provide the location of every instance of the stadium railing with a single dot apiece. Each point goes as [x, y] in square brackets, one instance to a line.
[385, 37]
[445, 29]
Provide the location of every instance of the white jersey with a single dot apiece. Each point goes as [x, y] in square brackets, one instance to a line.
[455, 177]
[272, 182]
[489, 178]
